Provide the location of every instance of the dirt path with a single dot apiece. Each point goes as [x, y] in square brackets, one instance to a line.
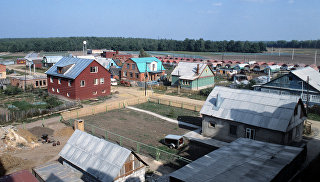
[16, 68]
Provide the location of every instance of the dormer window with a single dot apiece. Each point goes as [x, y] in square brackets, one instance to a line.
[64, 69]
[59, 69]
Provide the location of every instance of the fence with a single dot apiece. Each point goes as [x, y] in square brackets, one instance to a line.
[175, 103]
[173, 160]
[91, 110]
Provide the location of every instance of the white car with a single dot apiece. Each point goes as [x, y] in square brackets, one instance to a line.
[114, 81]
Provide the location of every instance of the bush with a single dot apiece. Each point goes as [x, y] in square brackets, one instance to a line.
[11, 90]
[206, 91]
[52, 102]
[315, 109]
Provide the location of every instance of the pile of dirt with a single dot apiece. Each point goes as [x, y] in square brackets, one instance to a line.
[9, 162]
[38, 131]
[64, 132]
[27, 135]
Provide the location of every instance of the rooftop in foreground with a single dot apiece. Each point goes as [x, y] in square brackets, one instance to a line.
[242, 160]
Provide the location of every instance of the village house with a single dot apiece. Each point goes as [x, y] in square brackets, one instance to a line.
[244, 160]
[21, 61]
[33, 81]
[296, 83]
[193, 76]
[49, 61]
[77, 78]
[3, 71]
[229, 114]
[137, 69]
[88, 158]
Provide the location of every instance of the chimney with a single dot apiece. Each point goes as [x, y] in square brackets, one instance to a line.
[197, 68]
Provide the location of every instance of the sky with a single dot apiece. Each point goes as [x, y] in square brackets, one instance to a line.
[253, 20]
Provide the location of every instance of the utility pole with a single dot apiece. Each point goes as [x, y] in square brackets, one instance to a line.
[25, 77]
[307, 94]
[145, 82]
[315, 58]
[279, 51]
[292, 54]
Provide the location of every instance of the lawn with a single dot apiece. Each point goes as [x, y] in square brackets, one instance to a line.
[313, 116]
[172, 112]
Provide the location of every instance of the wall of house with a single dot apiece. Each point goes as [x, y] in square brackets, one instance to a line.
[221, 131]
[128, 70]
[20, 83]
[203, 82]
[86, 92]
[132, 170]
[3, 73]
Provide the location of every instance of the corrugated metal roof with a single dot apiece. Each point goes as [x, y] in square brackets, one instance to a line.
[106, 62]
[79, 66]
[98, 157]
[242, 160]
[52, 59]
[188, 70]
[266, 110]
[314, 76]
[141, 63]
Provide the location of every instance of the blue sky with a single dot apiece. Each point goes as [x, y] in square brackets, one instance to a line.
[170, 19]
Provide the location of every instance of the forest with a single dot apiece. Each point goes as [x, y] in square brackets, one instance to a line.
[294, 44]
[127, 44]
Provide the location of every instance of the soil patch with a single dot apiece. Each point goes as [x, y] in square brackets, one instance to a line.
[27, 135]
[38, 131]
[8, 162]
[64, 132]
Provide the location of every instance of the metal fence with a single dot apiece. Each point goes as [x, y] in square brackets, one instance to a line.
[173, 160]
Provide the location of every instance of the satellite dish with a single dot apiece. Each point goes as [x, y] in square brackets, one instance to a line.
[84, 42]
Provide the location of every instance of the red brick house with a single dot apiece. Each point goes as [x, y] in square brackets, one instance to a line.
[76, 78]
[135, 69]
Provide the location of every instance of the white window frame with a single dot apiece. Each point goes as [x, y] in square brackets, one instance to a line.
[69, 83]
[51, 79]
[103, 91]
[68, 95]
[59, 80]
[84, 83]
[96, 81]
[58, 91]
[250, 133]
[95, 93]
[52, 89]
[95, 69]
[101, 80]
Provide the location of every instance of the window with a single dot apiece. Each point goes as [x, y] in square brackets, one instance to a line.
[68, 95]
[101, 80]
[124, 73]
[94, 93]
[137, 75]
[40, 82]
[103, 91]
[233, 130]
[44, 82]
[133, 66]
[58, 91]
[128, 66]
[212, 125]
[250, 133]
[94, 69]
[69, 83]
[96, 81]
[59, 80]
[52, 89]
[51, 79]
[37, 83]
[82, 83]
[153, 67]
[131, 75]
[111, 64]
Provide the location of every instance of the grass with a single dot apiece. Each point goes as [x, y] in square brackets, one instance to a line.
[9, 57]
[313, 116]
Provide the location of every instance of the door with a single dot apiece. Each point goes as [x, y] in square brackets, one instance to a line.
[128, 168]
[250, 133]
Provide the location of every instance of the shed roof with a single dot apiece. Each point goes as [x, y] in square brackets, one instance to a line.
[141, 63]
[79, 66]
[98, 157]
[52, 59]
[242, 160]
[19, 176]
[314, 76]
[188, 71]
[261, 109]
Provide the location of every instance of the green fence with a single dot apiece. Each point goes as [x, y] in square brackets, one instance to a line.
[160, 155]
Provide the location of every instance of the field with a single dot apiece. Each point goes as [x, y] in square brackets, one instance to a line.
[143, 128]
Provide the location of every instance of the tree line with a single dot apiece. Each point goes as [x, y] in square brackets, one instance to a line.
[294, 44]
[127, 44]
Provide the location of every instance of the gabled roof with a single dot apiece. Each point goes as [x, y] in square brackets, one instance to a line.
[98, 157]
[141, 63]
[79, 66]
[265, 110]
[188, 71]
[314, 76]
[242, 160]
[52, 59]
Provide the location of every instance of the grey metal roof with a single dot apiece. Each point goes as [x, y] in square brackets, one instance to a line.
[52, 59]
[79, 66]
[314, 76]
[188, 71]
[265, 110]
[98, 157]
[242, 160]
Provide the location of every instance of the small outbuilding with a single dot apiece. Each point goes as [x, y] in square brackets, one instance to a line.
[88, 158]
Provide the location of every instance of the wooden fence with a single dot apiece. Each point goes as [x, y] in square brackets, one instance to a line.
[176, 103]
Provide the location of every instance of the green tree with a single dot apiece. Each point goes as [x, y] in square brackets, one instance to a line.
[143, 54]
